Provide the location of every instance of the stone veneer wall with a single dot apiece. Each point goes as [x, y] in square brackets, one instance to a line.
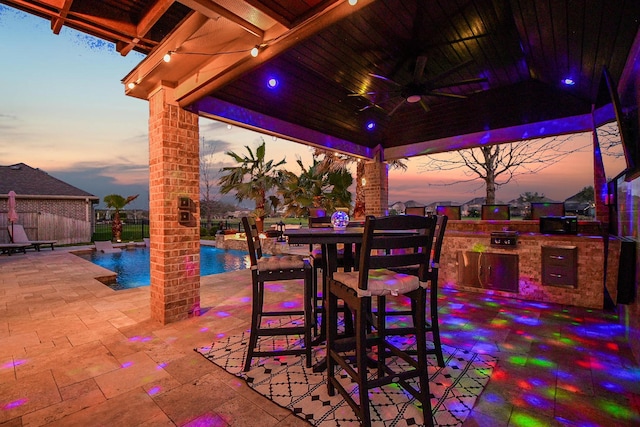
[173, 173]
[590, 289]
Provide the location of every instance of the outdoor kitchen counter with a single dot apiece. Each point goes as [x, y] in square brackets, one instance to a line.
[468, 255]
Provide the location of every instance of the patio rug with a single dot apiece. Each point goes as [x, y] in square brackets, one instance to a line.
[286, 381]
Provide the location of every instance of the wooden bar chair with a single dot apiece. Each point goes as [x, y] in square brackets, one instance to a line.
[432, 326]
[275, 269]
[388, 242]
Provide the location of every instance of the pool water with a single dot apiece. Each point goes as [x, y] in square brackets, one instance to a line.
[132, 265]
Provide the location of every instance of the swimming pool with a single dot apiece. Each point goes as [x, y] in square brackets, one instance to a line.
[132, 265]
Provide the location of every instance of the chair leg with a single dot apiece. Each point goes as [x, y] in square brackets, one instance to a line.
[435, 332]
[331, 329]
[421, 347]
[309, 314]
[361, 363]
[256, 310]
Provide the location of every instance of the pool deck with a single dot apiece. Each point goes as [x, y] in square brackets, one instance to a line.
[74, 352]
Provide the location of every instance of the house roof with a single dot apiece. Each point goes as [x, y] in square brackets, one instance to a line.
[27, 181]
[434, 75]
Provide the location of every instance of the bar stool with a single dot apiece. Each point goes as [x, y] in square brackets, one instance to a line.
[270, 269]
[383, 247]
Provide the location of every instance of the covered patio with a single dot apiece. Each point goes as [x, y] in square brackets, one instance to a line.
[75, 352]
[379, 80]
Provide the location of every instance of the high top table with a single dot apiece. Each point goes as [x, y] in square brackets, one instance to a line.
[329, 239]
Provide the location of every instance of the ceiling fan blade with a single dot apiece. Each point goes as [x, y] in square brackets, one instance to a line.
[447, 95]
[424, 105]
[462, 82]
[418, 72]
[361, 94]
[394, 109]
[378, 76]
[451, 70]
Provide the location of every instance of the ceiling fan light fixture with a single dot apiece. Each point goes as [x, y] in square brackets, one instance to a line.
[412, 99]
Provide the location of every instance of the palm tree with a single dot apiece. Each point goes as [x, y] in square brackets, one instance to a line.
[336, 162]
[117, 202]
[317, 186]
[252, 178]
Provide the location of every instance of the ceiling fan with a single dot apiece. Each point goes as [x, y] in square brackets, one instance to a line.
[417, 89]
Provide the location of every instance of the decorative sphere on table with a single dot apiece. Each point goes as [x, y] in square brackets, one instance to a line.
[339, 220]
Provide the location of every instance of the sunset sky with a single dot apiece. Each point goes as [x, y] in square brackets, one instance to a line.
[64, 111]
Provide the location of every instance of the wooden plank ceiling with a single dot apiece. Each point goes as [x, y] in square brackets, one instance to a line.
[426, 72]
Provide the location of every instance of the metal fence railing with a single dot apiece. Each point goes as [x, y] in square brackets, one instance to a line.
[132, 230]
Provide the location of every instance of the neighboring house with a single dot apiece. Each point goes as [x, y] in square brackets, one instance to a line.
[48, 209]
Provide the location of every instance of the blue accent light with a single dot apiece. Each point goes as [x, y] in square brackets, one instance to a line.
[272, 83]
[371, 126]
[568, 81]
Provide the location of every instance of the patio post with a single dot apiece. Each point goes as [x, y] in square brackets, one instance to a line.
[376, 187]
[173, 182]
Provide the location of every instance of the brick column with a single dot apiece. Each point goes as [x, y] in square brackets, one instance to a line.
[173, 173]
[376, 189]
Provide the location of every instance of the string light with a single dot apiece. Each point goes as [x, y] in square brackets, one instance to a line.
[353, 2]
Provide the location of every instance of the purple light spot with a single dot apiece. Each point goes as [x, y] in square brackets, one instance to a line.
[222, 314]
[154, 390]
[204, 329]
[371, 126]
[15, 404]
[126, 364]
[272, 83]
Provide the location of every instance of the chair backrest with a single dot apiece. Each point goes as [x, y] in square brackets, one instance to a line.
[396, 242]
[546, 209]
[452, 212]
[253, 239]
[438, 238]
[17, 233]
[415, 210]
[495, 212]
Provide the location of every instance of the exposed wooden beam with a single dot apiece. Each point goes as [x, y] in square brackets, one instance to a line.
[213, 10]
[58, 22]
[149, 19]
[195, 87]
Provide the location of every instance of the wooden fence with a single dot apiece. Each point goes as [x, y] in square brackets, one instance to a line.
[46, 226]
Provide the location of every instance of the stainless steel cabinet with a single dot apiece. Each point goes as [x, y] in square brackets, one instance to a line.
[560, 266]
[488, 270]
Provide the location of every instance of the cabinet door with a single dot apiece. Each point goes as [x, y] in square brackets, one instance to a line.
[468, 268]
[488, 270]
[499, 272]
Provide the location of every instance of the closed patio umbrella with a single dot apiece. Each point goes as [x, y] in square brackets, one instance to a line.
[12, 215]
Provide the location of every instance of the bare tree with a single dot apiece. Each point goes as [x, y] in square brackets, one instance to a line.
[497, 165]
[207, 178]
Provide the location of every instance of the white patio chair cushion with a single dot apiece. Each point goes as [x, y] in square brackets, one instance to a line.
[380, 282]
[281, 262]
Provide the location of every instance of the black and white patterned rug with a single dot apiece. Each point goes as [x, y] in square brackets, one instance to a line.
[286, 381]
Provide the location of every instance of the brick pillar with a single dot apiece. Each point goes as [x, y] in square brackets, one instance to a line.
[173, 173]
[376, 189]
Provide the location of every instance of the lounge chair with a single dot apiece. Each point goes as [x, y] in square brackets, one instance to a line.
[10, 248]
[106, 246]
[18, 235]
